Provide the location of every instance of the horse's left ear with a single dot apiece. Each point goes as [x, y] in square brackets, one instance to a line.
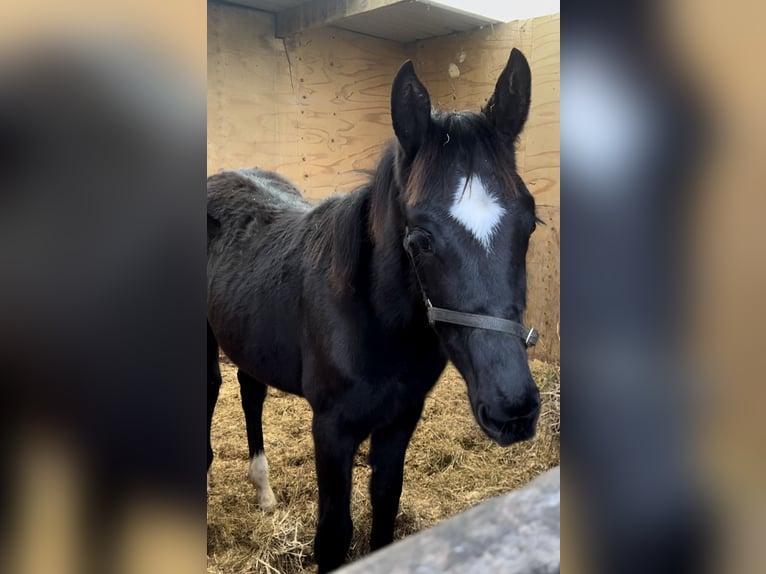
[410, 109]
[508, 106]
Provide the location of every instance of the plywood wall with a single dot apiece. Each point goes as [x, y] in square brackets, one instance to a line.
[250, 100]
[316, 109]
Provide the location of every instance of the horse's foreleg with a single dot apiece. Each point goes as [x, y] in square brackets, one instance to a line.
[334, 451]
[387, 447]
[253, 393]
[213, 386]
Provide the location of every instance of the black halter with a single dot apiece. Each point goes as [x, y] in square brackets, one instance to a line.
[442, 315]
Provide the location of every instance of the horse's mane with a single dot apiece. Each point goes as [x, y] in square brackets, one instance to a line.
[342, 226]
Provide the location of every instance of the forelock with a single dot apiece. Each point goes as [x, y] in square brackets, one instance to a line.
[458, 140]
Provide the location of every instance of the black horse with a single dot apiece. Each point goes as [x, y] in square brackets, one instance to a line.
[358, 302]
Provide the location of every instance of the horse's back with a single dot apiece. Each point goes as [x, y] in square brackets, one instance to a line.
[254, 272]
[240, 198]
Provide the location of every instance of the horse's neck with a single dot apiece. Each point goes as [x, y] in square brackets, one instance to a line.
[390, 273]
[392, 294]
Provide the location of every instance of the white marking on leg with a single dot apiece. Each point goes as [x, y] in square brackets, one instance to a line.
[476, 210]
[259, 476]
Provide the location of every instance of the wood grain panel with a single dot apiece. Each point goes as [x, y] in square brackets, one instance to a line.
[313, 107]
[343, 86]
[543, 284]
[541, 139]
[251, 114]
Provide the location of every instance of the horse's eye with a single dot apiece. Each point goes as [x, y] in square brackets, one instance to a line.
[534, 226]
[419, 241]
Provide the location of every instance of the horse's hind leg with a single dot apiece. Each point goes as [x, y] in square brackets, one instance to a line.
[387, 448]
[213, 386]
[253, 394]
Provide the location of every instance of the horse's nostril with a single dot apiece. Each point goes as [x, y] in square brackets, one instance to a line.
[489, 422]
[504, 416]
[528, 414]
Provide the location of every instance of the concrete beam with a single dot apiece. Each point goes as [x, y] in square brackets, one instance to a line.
[322, 13]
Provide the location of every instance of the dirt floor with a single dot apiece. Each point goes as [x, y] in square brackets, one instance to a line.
[450, 466]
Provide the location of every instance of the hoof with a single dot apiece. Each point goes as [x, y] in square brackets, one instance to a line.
[258, 474]
[267, 501]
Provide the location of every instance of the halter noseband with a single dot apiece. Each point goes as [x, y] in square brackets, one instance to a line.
[442, 315]
[489, 322]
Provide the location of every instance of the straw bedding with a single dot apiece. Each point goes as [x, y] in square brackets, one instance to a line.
[450, 466]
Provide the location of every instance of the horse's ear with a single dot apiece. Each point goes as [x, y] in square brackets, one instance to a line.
[410, 109]
[508, 106]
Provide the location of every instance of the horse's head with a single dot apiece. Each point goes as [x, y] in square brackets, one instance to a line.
[468, 217]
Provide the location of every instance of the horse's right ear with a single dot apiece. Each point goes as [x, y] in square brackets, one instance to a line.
[508, 106]
[410, 109]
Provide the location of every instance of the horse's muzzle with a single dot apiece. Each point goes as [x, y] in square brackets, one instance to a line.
[509, 428]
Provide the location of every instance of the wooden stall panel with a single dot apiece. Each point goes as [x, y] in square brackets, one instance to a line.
[314, 107]
[540, 144]
[343, 84]
[252, 118]
[543, 283]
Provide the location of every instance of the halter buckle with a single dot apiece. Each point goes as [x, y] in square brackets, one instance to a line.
[429, 310]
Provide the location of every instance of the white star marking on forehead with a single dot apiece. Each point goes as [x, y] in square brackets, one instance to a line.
[477, 211]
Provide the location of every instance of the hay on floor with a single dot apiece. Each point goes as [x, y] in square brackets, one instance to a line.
[450, 466]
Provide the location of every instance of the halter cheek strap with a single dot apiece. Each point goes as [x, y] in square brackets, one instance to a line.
[442, 315]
